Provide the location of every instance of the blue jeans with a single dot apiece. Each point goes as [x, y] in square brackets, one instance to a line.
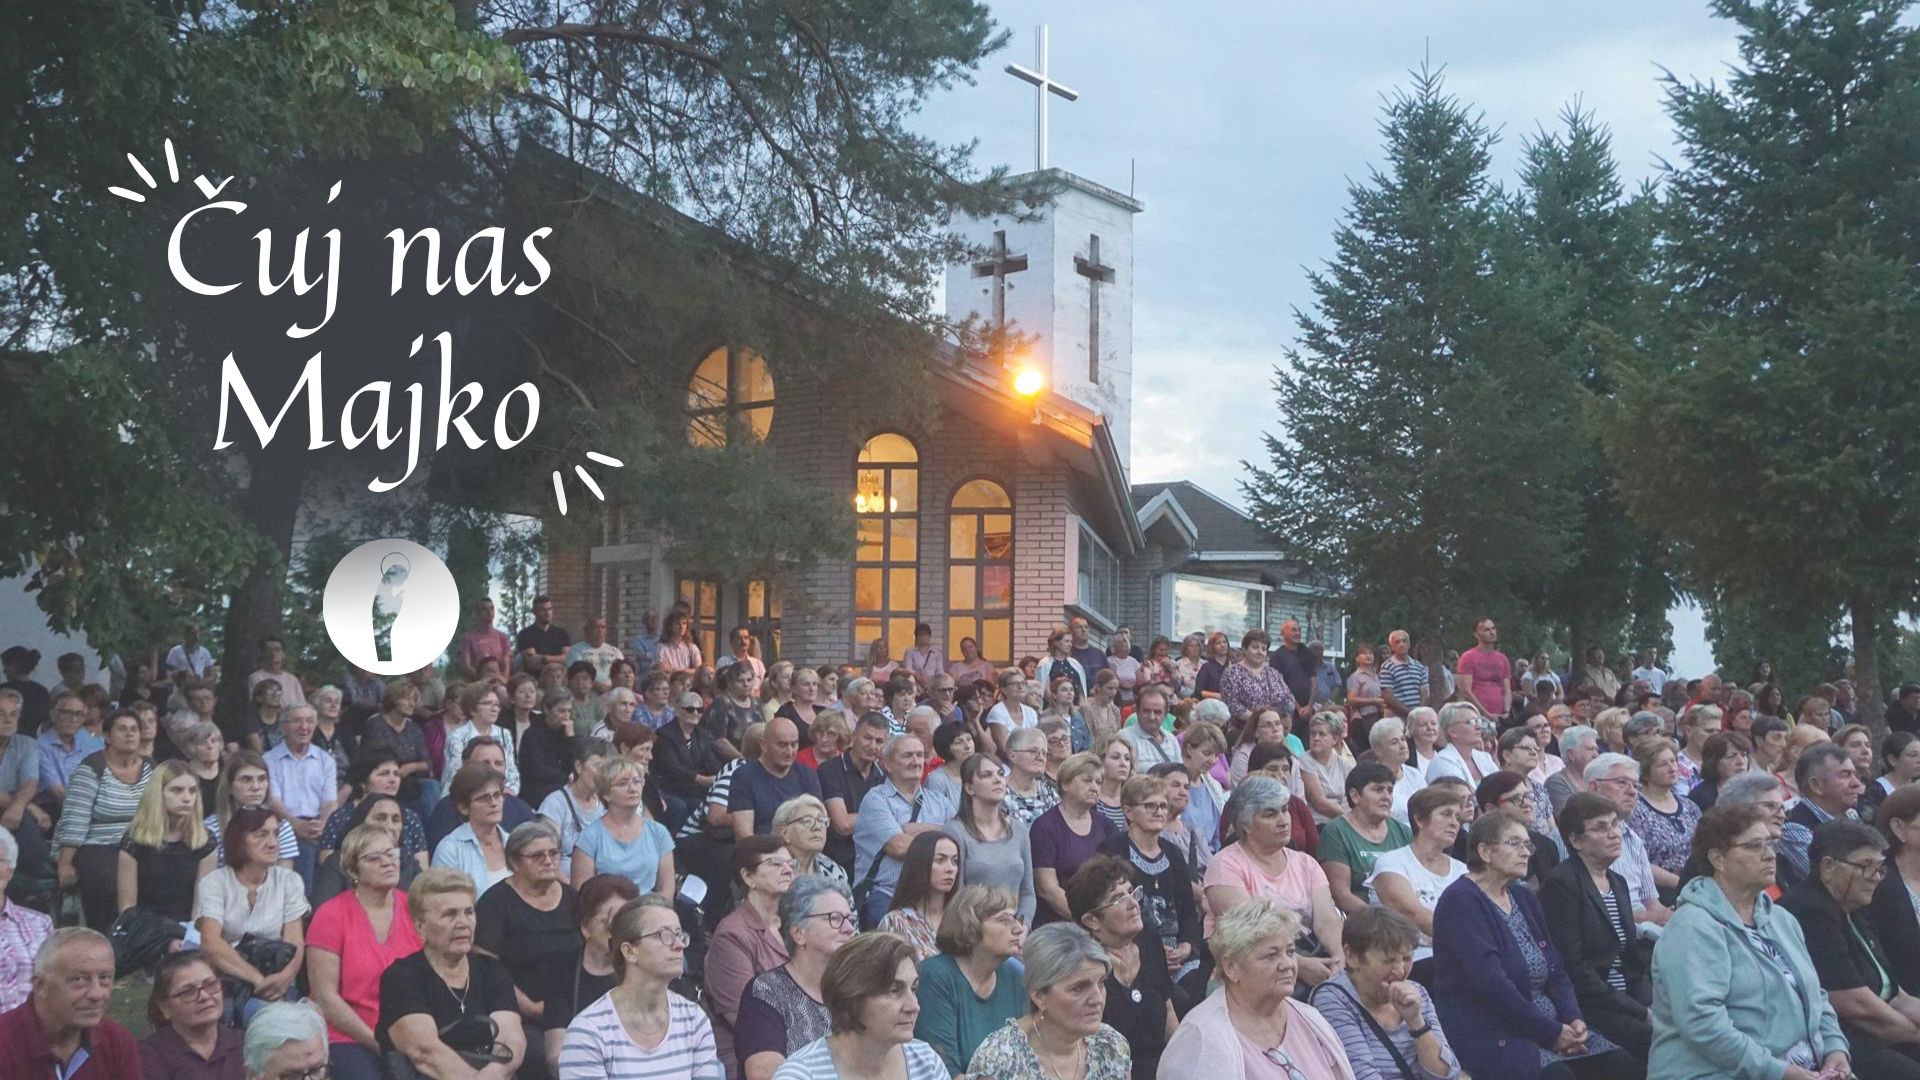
[351, 1061]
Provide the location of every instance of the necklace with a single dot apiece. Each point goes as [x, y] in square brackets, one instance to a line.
[459, 996]
[1076, 1064]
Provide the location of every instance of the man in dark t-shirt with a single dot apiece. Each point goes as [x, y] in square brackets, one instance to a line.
[763, 784]
[541, 642]
[846, 779]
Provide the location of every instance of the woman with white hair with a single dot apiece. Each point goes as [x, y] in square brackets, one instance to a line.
[1214, 711]
[1423, 737]
[328, 733]
[22, 929]
[1251, 1028]
[1062, 1033]
[783, 1010]
[286, 1039]
[1030, 791]
[1579, 745]
[204, 746]
[1388, 738]
[802, 822]
[1258, 864]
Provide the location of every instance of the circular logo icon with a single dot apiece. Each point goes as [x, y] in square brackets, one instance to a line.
[391, 607]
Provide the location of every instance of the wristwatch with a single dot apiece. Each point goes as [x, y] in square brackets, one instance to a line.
[1419, 1031]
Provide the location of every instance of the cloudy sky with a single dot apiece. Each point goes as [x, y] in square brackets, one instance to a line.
[1243, 123]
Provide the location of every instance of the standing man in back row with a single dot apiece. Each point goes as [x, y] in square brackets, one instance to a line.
[542, 641]
[1300, 670]
[1486, 675]
[1403, 676]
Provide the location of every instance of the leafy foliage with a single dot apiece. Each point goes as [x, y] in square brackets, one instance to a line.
[1781, 381]
[1420, 381]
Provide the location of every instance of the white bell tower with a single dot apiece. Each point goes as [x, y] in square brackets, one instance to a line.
[1063, 280]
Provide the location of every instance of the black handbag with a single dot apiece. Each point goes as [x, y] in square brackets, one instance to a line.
[268, 956]
[473, 1038]
[140, 939]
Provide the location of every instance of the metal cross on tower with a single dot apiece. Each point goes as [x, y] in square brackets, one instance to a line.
[1096, 273]
[1043, 85]
[997, 268]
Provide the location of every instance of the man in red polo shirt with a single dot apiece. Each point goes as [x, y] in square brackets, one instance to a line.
[61, 1032]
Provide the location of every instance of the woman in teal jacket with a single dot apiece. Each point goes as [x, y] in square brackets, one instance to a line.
[1734, 992]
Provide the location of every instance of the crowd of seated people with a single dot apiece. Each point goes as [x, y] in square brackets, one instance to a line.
[568, 860]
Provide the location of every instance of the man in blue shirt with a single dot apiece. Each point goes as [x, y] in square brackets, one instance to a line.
[645, 650]
[891, 815]
[764, 783]
[63, 745]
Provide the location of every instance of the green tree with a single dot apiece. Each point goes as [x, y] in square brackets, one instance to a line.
[1422, 457]
[783, 127]
[1591, 242]
[1780, 389]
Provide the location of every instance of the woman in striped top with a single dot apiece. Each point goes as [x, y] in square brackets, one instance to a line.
[101, 799]
[641, 1030]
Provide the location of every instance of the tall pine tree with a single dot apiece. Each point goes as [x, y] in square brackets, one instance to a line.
[1421, 458]
[1777, 408]
[1591, 241]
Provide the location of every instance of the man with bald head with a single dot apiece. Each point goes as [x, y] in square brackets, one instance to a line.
[1404, 678]
[761, 785]
[62, 1029]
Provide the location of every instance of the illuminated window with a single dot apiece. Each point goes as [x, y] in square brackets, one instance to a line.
[886, 564]
[702, 594]
[763, 618]
[730, 398]
[980, 570]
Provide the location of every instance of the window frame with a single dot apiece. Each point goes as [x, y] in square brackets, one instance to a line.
[979, 613]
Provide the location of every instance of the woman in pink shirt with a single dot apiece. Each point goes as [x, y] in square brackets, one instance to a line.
[354, 938]
[1259, 865]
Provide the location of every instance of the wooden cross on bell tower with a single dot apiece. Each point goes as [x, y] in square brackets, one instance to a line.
[997, 268]
[1096, 273]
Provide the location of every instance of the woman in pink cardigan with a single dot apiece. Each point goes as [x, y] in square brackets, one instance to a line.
[1251, 1028]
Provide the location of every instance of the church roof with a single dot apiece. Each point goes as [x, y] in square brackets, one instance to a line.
[1216, 524]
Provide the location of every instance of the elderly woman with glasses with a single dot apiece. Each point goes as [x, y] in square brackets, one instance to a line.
[784, 1009]
[1030, 790]
[625, 840]
[1734, 988]
[1167, 902]
[747, 942]
[802, 823]
[972, 985]
[1589, 911]
[530, 918]
[1258, 864]
[1061, 1033]
[188, 1041]
[478, 848]
[1251, 1027]
[642, 1028]
[1880, 1021]
[1504, 996]
[354, 938]
[1140, 988]
[252, 897]
[1509, 793]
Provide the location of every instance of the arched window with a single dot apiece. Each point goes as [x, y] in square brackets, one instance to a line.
[980, 570]
[886, 568]
[729, 398]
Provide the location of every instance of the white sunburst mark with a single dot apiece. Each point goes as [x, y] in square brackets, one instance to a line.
[559, 484]
[173, 166]
[145, 176]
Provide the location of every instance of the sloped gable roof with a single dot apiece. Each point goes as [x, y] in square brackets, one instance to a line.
[1220, 526]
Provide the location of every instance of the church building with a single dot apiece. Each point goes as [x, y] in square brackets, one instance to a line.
[997, 514]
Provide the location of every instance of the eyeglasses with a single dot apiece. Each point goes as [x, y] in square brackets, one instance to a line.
[1872, 871]
[1007, 919]
[1151, 807]
[839, 920]
[777, 863]
[811, 821]
[1768, 844]
[208, 989]
[384, 855]
[1519, 844]
[1279, 1057]
[543, 855]
[321, 1071]
[1136, 894]
[671, 936]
